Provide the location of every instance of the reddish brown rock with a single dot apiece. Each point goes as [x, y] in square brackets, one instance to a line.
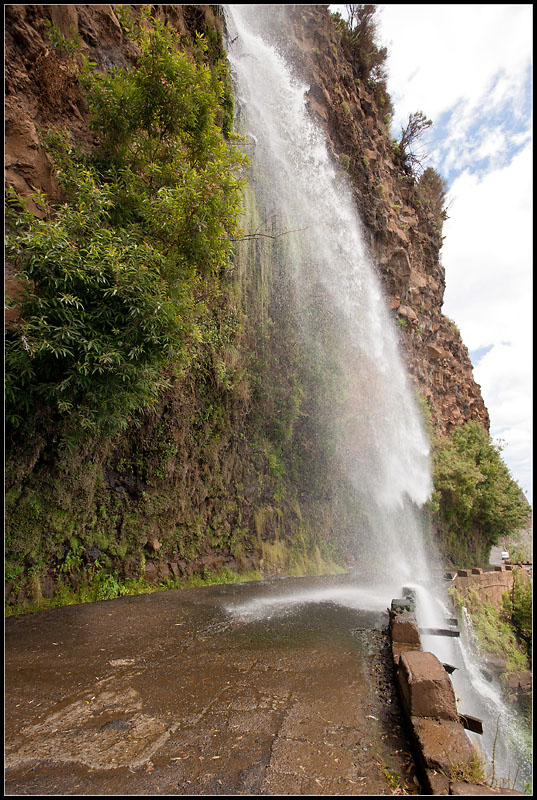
[405, 236]
[426, 688]
[443, 744]
[398, 648]
[404, 628]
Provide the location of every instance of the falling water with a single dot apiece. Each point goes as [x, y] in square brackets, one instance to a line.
[505, 740]
[376, 427]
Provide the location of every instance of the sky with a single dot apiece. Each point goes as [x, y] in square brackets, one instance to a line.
[469, 68]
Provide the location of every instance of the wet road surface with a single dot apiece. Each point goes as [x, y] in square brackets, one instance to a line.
[279, 687]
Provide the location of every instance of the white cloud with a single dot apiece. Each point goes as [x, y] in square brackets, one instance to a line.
[467, 67]
[505, 378]
[487, 254]
[487, 257]
[461, 65]
[440, 55]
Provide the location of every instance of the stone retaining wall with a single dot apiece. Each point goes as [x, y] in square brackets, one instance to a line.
[443, 751]
[492, 583]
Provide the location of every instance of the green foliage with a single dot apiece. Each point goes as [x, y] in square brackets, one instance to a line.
[97, 318]
[478, 501]
[518, 607]
[225, 575]
[493, 630]
[359, 36]
[472, 770]
[113, 279]
[65, 45]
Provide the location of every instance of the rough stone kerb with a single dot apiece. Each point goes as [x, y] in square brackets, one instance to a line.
[426, 688]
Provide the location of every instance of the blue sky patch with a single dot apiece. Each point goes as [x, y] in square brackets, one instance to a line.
[477, 355]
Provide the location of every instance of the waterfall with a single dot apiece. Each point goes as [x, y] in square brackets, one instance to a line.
[343, 322]
[375, 425]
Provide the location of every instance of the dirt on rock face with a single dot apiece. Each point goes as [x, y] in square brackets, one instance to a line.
[217, 690]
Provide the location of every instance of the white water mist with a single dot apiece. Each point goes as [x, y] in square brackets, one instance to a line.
[377, 428]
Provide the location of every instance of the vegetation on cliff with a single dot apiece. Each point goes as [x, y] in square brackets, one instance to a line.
[160, 412]
[518, 606]
[134, 453]
[475, 502]
[115, 279]
[124, 293]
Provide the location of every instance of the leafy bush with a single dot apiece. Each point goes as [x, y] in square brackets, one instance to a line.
[359, 35]
[97, 318]
[475, 497]
[113, 279]
[493, 631]
[518, 607]
[431, 191]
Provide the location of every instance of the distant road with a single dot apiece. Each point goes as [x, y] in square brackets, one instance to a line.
[495, 559]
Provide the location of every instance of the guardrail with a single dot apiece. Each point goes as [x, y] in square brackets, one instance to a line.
[443, 751]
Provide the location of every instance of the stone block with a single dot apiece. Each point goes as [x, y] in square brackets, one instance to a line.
[398, 648]
[436, 783]
[442, 744]
[404, 628]
[150, 571]
[426, 688]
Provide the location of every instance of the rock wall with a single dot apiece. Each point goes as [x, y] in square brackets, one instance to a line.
[405, 236]
[199, 485]
[491, 583]
[175, 496]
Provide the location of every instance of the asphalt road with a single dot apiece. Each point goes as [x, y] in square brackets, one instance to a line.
[280, 687]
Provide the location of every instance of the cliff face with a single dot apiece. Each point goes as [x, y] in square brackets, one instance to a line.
[210, 478]
[41, 89]
[405, 236]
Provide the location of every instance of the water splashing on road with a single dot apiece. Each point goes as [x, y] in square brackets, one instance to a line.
[343, 320]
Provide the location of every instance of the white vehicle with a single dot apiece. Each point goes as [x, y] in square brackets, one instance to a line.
[505, 555]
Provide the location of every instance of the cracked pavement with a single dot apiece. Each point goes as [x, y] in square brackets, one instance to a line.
[214, 690]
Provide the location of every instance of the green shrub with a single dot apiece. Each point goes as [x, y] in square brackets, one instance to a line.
[113, 279]
[518, 607]
[476, 498]
[493, 630]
